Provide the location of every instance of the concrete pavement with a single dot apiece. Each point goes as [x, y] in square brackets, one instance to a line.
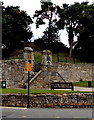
[83, 88]
[12, 112]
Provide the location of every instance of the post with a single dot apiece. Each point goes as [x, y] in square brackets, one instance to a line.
[29, 57]
[28, 91]
[89, 83]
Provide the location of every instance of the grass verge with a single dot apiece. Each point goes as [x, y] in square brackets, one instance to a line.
[24, 91]
[83, 84]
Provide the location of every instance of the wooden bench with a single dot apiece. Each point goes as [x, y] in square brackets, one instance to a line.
[62, 85]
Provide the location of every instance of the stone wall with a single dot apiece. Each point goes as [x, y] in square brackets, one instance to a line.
[74, 72]
[50, 100]
[13, 72]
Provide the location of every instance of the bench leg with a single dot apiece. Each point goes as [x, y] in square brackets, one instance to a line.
[72, 88]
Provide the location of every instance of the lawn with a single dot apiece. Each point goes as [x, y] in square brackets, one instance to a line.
[24, 91]
[83, 83]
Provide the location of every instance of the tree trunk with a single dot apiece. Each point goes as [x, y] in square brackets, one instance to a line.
[58, 57]
[71, 46]
[70, 37]
[49, 30]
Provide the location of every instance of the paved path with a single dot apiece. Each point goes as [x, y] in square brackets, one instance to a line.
[12, 112]
[83, 88]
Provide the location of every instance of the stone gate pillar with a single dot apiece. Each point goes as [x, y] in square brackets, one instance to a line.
[47, 57]
[29, 56]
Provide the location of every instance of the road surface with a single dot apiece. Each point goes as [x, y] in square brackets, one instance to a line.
[14, 112]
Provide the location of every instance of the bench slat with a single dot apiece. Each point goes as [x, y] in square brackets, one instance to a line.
[61, 85]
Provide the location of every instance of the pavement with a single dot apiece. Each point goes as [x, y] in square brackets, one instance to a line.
[15, 112]
[83, 88]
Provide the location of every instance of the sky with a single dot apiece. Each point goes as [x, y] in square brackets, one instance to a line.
[31, 5]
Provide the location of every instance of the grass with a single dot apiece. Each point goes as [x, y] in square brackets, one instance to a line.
[64, 57]
[37, 57]
[24, 91]
[83, 83]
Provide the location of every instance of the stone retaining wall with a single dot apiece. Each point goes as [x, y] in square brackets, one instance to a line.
[76, 72]
[13, 71]
[75, 100]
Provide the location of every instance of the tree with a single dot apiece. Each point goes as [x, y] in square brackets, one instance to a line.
[48, 13]
[69, 19]
[54, 35]
[85, 33]
[16, 27]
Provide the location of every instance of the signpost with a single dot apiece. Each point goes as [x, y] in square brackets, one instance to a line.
[29, 57]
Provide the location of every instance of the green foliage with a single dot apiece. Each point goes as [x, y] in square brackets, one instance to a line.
[85, 41]
[56, 57]
[15, 28]
[78, 19]
[63, 57]
[38, 57]
[48, 13]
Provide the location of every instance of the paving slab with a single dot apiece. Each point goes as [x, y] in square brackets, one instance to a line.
[83, 88]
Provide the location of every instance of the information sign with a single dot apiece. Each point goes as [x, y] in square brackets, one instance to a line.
[28, 67]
